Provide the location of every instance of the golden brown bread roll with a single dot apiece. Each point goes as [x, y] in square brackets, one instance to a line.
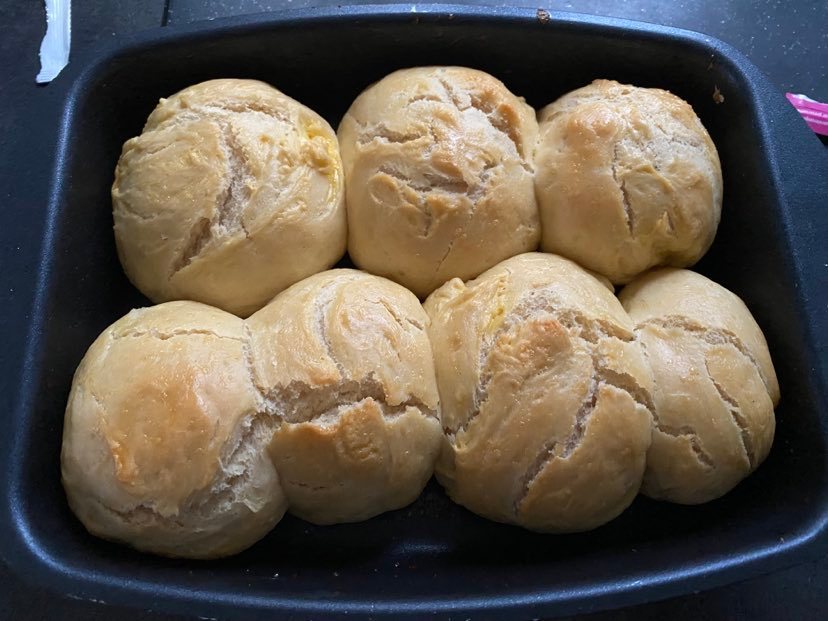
[233, 192]
[163, 448]
[544, 394]
[627, 179]
[438, 165]
[344, 361]
[715, 386]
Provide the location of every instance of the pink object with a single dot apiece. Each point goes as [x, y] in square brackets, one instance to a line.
[815, 113]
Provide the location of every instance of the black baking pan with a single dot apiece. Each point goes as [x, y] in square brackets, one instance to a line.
[432, 558]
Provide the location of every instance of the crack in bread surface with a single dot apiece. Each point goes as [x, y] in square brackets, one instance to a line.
[449, 248]
[420, 190]
[539, 300]
[711, 336]
[257, 429]
[164, 335]
[234, 196]
[433, 182]
[237, 193]
[197, 239]
[488, 111]
[298, 402]
[685, 431]
[143, 514]
[602, 376]
[228, 217]
[221, 110]
[322, 307]
[557, 450]
[224, 491]
[592, 329]
[395, 315]
[735, 412]
[478, 190]
[380, 131]
[629, 213]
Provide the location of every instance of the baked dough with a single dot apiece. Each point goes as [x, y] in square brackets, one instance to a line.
[162, 445]
[627, 179]
[715, 386]
[438, 166]
[345, 363]
[544, 394]
[233, 192]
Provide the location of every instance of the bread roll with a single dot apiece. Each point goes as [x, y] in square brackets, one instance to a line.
[163, 448]
[345, 362]
[544, 393]
[438, 165]
[715, 386]
[627, 179]
[233, 192]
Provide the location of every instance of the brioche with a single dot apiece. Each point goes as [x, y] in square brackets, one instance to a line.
[438, 165]
[627, 179]
[344, 361]
[544, 392]
[233, 192]
[715, 385]
[163, 446]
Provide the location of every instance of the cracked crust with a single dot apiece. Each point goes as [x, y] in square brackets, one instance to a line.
[345, 363]
[164, 446]
[545, 395]
[627, 179]
[716, 388]
[439, 166]
[228, 179]
[189, 431]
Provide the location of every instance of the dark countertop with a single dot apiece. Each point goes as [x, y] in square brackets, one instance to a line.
[789, 41]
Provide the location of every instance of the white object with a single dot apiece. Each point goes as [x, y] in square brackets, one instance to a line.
[54, 49]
